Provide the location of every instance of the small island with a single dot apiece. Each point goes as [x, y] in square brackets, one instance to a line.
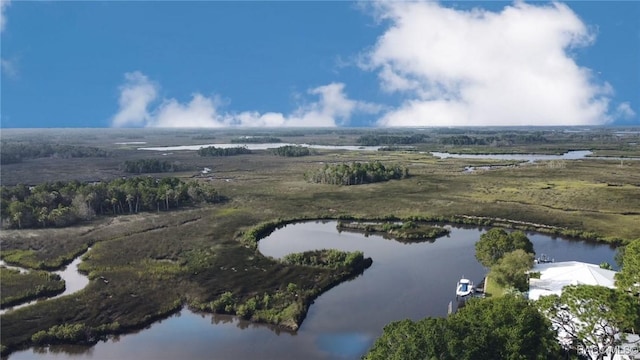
[405, 232]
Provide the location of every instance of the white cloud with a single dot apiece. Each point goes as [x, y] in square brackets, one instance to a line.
[199, 112]
[135, 97]
[3, 17]
[332, 108]
[9, 67]
[624, 111]
[476, 67]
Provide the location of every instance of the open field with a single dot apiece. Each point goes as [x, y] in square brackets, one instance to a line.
[147, 265]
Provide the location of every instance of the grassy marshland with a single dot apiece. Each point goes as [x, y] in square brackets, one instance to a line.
[206, 256]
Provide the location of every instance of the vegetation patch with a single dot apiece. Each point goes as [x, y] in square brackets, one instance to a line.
[287, 306]
[357, 173]
[407, 232]
[16, 152]
[388, 139]
[143, 166]
[62, 204]
[291, 151]
[214, 151]
[35, 260]
[17, 288]
[327, 258]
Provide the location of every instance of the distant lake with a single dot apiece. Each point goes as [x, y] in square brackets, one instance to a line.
[569, 155]
[404, 281]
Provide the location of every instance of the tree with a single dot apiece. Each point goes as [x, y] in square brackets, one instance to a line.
[511, 270]
[407, 339]
[507, 327]
[18, 212]
[496, 242]
[629, 276]
[590, 317]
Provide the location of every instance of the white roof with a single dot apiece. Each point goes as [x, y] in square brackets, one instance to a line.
[555, 276]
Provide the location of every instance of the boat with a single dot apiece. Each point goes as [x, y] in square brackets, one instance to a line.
[464, 288]
[544, 259]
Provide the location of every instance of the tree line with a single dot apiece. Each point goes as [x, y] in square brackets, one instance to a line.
[498, 140]
[255, 140]
[214, 151]
[291, 151]
[15, 152]
[357, 173]
[142, 166]
[385, 139]
[66, 203]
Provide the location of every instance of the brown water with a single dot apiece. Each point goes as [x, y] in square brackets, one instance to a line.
[405, 281]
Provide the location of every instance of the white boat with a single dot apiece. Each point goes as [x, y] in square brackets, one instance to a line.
[464, 288]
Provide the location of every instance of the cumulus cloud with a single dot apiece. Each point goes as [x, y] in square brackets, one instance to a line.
[624, 111]
[135, 96]
[332, 108]
[477, 67]
[4, 4]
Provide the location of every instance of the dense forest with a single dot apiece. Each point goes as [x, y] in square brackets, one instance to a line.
[291, 151]
[15, 152]
[255, 140]
[66, 203]
[356, 173]
[143, 166]
[384, 139]
[214, 151]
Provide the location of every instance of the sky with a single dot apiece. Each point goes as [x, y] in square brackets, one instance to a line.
[318, 64]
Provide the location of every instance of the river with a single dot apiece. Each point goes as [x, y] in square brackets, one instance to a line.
[405, 281]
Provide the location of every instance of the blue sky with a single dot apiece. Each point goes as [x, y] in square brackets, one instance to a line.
[281, 64]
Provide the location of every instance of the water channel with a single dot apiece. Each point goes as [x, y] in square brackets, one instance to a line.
[74, 281]
[405, 281]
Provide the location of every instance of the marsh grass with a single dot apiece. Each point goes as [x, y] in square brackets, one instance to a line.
[17, 288]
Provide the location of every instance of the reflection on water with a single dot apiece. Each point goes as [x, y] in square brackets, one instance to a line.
[404, 281]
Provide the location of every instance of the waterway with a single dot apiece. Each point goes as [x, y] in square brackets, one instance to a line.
[404, 281]
[73, 279]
